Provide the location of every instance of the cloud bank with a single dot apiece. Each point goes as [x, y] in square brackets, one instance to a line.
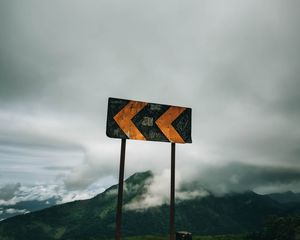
[236, 64]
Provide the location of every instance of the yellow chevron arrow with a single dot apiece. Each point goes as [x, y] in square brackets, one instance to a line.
[164, 122]
[123, 119]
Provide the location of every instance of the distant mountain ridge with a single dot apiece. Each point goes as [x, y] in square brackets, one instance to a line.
[95, 218]
[11, 210]
[285, 197]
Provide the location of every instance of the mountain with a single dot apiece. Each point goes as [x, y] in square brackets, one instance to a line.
[95, 218]
[75, 220]
[286, 197]
[23, 207]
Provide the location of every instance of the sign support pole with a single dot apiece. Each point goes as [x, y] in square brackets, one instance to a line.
[172, 194]
[120, 191]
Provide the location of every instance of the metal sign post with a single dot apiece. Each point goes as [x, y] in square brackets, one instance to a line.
[120, 191]
[127, 119]
[172, 194]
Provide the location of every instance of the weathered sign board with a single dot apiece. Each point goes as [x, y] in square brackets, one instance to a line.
[127, 119]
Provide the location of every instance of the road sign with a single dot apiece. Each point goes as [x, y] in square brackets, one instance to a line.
[127, 119]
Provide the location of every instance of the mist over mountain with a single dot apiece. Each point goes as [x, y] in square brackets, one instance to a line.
[60, 61]
[95, 218]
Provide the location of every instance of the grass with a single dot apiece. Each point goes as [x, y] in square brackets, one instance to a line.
[217, 237]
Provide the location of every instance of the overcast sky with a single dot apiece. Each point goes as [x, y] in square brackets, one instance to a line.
[235, 63]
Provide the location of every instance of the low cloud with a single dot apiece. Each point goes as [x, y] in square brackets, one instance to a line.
[8, 191]
[239, 177]
[16, 211]
[158, 193]
[43, 192]
[217, 180]
[233, 177]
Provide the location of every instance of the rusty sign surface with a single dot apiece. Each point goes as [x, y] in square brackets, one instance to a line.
[127, 119]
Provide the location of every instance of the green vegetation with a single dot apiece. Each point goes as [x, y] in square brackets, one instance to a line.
[279, 228]
[220, 237]
[217, 237]
[146, 238]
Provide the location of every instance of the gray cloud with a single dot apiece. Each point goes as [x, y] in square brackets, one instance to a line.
[16, 211]
[235, 63]
[239, 177]
[233, 177]
[8, 191]
[12, 194]
[158, 190]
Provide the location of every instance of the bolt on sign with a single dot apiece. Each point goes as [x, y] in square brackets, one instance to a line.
[127, 119]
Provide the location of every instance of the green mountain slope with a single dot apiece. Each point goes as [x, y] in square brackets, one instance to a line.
[75, 220]
[95, 218]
